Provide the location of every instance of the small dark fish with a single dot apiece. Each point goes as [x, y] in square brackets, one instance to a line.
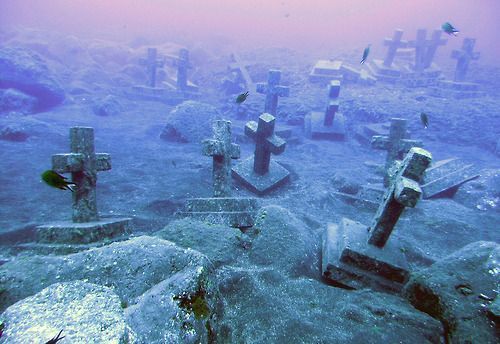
[242, 97]
[55, 339]
[174, 163]
[56, 180]
[449, 29]
[2, 326]
[425, 119]
[365, 54]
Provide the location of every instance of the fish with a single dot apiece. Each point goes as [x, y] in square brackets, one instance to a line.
[2, 326]
[449, 29]
[425, 119]
[365, 54]
[54, 179]
[55, 339]
[242, 97]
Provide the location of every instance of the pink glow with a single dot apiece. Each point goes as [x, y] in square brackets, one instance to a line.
[298, 24]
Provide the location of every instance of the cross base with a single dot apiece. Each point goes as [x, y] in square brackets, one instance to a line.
[68, 232]
[325, 71]
[164, 95]
[315, 129]
[234, 212]
[260, 184]
[350, 261]
[456, 89]
[367, 197]
[428, 77]
[364, 133]
[383, 73]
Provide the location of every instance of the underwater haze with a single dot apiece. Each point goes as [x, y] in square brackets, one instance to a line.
[249, 171]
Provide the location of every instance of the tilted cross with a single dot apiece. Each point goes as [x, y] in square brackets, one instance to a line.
[152, 63]
[83, 163]
[394, 44]
[241, 67]
[222, 151]
[266, 142]
[403, 191]
[272, 90]
[432, 46]
[183, 64]
[464, 57]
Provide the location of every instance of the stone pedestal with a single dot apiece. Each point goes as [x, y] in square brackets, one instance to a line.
[427, 77]
[68, 232]
[349, 260]
[315, 129]
[456, 89]
[234, 212]
[325, 71]
[384, 73]
[260, 184]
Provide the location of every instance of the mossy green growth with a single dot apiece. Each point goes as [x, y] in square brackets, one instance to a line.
[124, 304]
[196, 303]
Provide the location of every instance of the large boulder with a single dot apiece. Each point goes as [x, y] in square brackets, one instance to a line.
[83, 311]
[190, 121]
[284, 242]
[12, 100]
[458, 290]
[26, 71]
[263, 306]
[139, 270]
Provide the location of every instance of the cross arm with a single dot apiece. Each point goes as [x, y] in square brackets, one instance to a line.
[407, 192]
[102, 161]
[212, 147]
[235, 151]
[380, 142]
[276, 144]
[406, 145]
[65, 163]
[282, 91]
[389, 42]
[251, 129]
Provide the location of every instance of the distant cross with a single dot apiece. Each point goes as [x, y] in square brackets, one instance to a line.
[395, 144]
[432, 46]
[333, 102]
[152, 62]
[241, 67]
[464, 57]
[272, 90]
[183, 64]
[266, 142]
[394, 44]
[420, 45]
[222, 151]
[83, 163]
[403, 191]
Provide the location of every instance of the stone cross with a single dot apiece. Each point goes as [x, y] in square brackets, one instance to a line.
[393, 45]
[403, 191]
[266, 142]
[241, 67]
[395, 144]
[420, 45]
[432, 46]
[333, 103]
[183, 64]
[152, 62]
[272, 90]
[83, 163]
[464, 57]
[222, 151]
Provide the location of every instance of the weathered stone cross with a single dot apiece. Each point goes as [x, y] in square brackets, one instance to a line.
[403, 191]
[183, 64]
[393, 45]
[395, 144]
[83, 163]
[241, 67]
[222, 151]
[333, 103]
[266, 142]
[432, 46]
[152, 63]
[272, 90]
[464, 56]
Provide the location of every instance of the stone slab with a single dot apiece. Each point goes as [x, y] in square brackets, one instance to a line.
[428, 77]
[458, 90]
[235, 212]
[68, 232]
[348, 259]
[446, 176]
[163, 95]
[260, 184]
[367, 197]
[315, 129]
[383, 73]
[325, 71]
[364, 133]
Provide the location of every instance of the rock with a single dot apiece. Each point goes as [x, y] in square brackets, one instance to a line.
[108, 54]
[450, 290]
[13, 132]
[284, 242]
[482, 193]
[184, 308]
[345, 184]
[82, 310]
[108, 106]
[222, 244]
[14, 100]
[190, 121]
[26, 71]
[262, 306]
